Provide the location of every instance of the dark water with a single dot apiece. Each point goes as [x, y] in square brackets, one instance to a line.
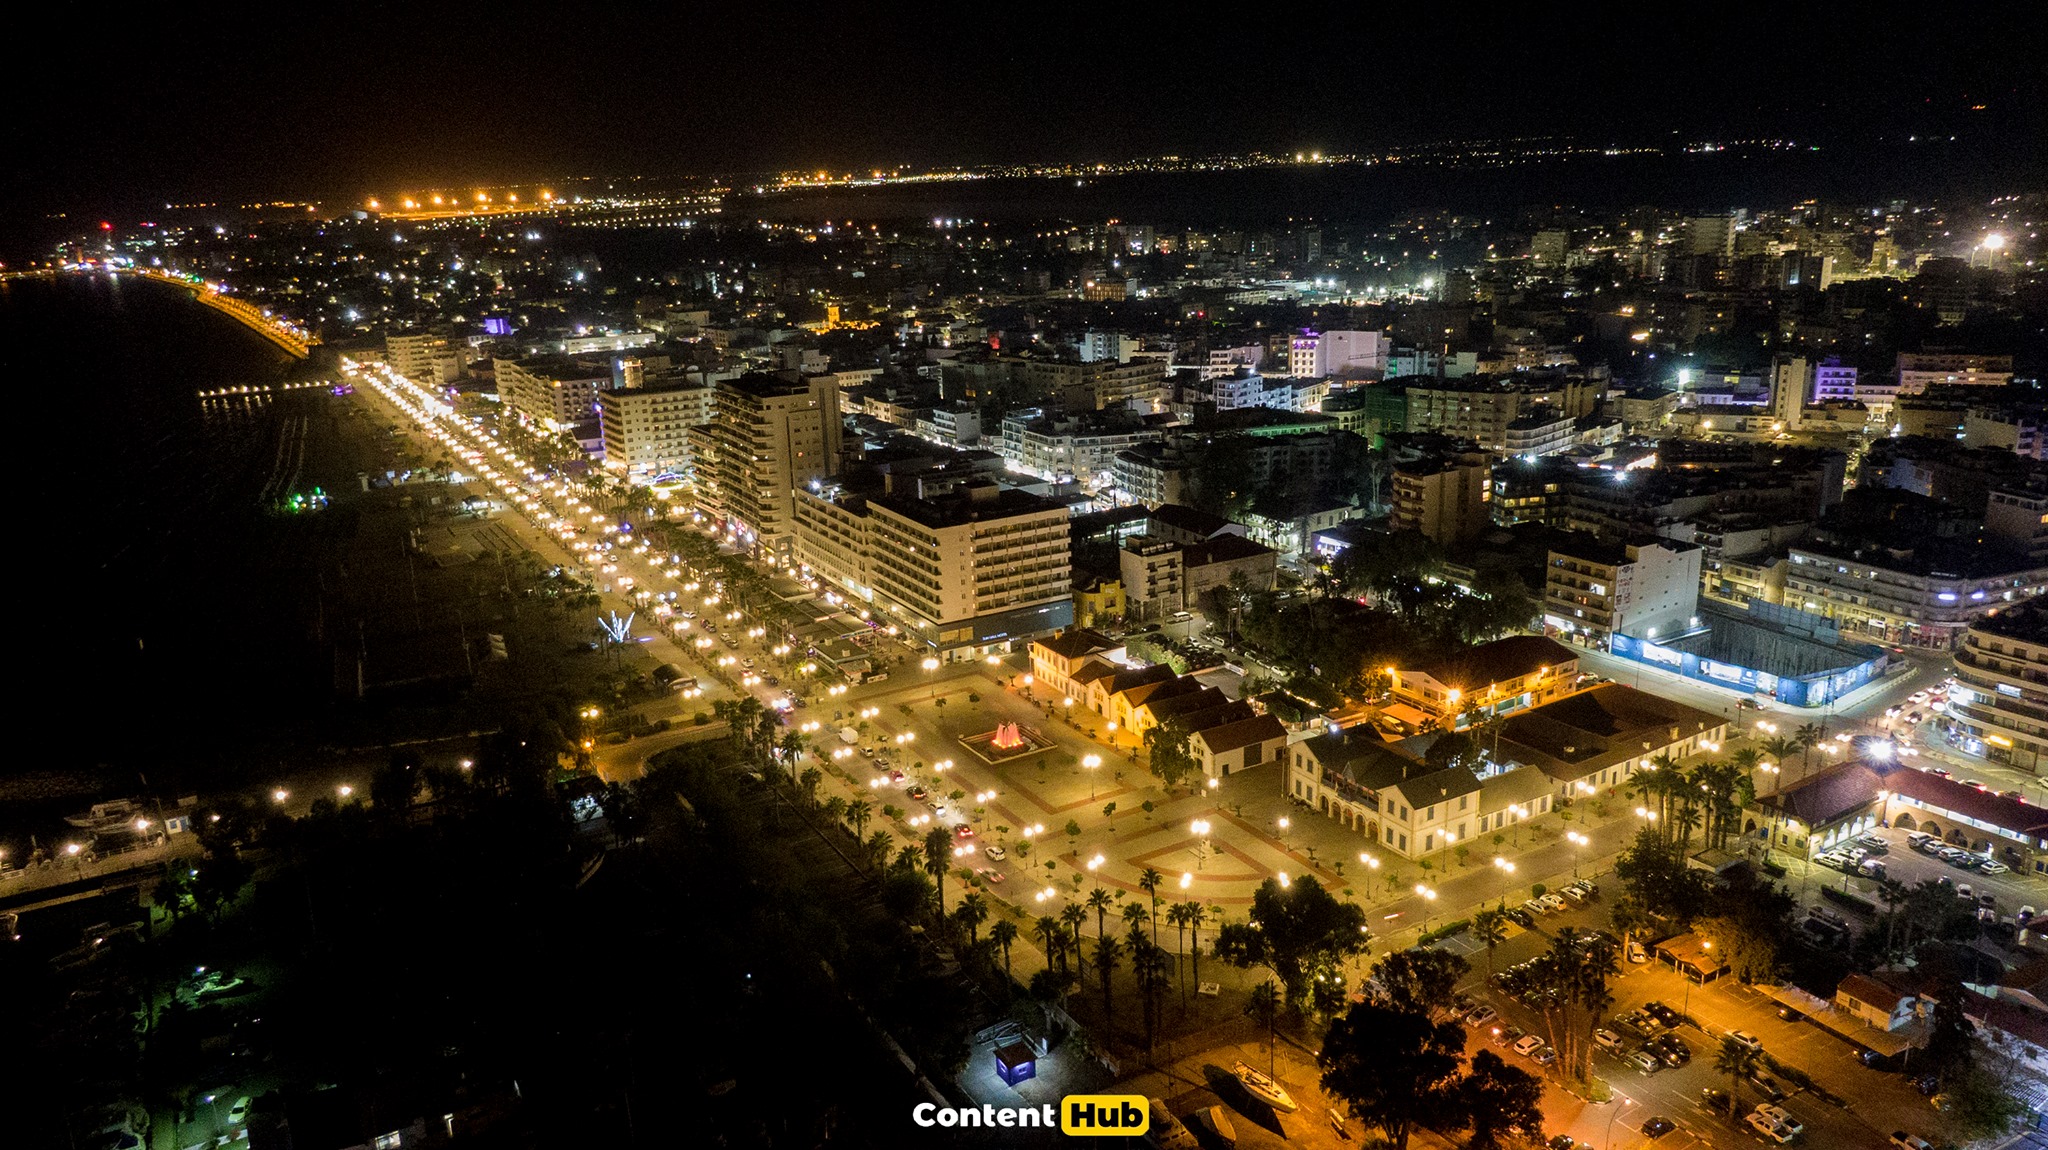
[157, 599]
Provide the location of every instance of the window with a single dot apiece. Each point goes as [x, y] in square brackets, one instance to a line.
[386, 1141]
[1464, 801]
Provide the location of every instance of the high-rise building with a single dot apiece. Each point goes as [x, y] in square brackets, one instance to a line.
[965, 568]
[2001, 696]
[1710, 236]
[767, 436]
[1833, 380]
[1791, 386]
[646, 430]
[423, 357]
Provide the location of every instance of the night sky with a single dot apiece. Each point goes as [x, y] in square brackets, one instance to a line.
[373, 97]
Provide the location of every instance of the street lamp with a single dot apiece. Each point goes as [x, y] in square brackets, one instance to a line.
[1371, 862]
[1200, 829]
[1428, 896]
[1504, 865]
[1577, 840]
[1626, 1102]
[930, 664]
[1091, 762]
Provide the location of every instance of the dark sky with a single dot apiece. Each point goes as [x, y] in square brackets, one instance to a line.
[375, 97]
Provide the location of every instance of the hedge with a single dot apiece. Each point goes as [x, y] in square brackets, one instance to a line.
[1447, 930]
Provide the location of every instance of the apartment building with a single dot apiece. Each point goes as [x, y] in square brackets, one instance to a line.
[1598, 589]
[551, 392]
[767, 436]
[1444, 499]
[1893, 595]
[2001, 697]
[1161, 576]
[425, 358]
[1336, 352]
[646, 430]
[965, 568]
[1920, 370]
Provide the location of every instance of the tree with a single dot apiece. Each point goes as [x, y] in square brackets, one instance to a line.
[809, 782]
[1496, 1099]
[1148, 964]
[938, 852]
[971, 913]
[1737, 1062]
[1489, 927]
[858, 812]
[1394, 1068]
[1053, 935]
[1099, 901]
[877, 846]
[1168, 752]
[1073, 916]
[1297, 932]
[1752, 954]
[1106, 954]
[1421, 980]
[1986, 1103]
[1149, 883]
[1003, 933]
[1134, 915]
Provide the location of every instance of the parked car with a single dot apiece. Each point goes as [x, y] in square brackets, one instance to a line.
[1993, 867]
[1554, 902]
[1483, 1016]
[1658, 1127]
[1781, 1116]
[1527, 1045]
[1643, 1061]
[1767, 1086]
[1746, 1040]
[1508, 1035]
[1716, 1101]
[1671, 1050]
[1770, 1131]
[1635, 953]
[1790, 1015]
[1663, 1013]
[1606, 1039]
[1520, 917]
[1966, 891]
[1904, 1141]
[1535, 906]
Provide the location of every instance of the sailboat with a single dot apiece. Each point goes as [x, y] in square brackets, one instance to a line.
[1264, 1089]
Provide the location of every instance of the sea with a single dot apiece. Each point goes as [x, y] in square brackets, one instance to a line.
[160, 599]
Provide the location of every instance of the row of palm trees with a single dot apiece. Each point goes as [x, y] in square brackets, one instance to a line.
[1568, 985]
[1067, 951]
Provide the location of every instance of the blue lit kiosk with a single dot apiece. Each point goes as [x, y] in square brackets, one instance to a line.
[1016, 1061]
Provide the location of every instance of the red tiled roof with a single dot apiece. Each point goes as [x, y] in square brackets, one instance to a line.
[1948, 795]
[1871, 992]
[1475, 667]
[1243, 733]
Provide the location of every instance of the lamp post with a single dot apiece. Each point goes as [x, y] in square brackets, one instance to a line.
[1200, 828]
[1577, 840]
[1091, 762]
[1372, 863]
[1428, 896]
[1626, 1102]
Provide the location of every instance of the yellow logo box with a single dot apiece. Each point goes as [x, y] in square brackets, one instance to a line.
[1123, 1115]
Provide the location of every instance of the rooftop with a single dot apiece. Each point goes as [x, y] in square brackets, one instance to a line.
[1500, 660]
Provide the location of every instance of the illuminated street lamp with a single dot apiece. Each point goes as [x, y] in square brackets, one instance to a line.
[1577, 840]
[1504, 865]
[1371, 862]
[1200, 829]
[1428, 896]
[344, 790]
[1091, 763]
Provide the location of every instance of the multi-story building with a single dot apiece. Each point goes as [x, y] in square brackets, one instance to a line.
[1920, 370]
[1070, 448]
[1223, 361]
[1644, 590]
[1336, 352]
[767, 436]
[1150, 473]
[1541, 432]
[1402, 806]
[1445, 499]
[423, 357]
[1894, 595]
[1139, 384]
[647, 429]
[1469, 686]
[1480, 408]
[1833, 380]
[965, 568]
[550, 391]
[2001, 696]
[1161, 576]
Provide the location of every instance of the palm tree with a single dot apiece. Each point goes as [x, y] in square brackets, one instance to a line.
[1149, 883]
[1106, 952]
[938, 850]
[1196, 917]
[1264, 1006]
[858, 812]
[1687, 818]
[1099, 902]
[809, 781]
[835, 808]
[1134, 916]
[1003, 933]
[1053, 935]
[1737, 1062]
[1148, 963]
[1490, 928]
[877, 846]
[973, 911]
[1808, 736]
[1074, 916]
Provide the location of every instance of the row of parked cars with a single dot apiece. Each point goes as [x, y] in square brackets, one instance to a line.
[1564, 898]
[1956, 857]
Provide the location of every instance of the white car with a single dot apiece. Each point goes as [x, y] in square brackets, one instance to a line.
[1746, 1040]
[1992, 868]
[1771, 1131]
[1606, 1039]
[1528, 1045]
[238, 1114]
[1554, 902]
[1781, 1116]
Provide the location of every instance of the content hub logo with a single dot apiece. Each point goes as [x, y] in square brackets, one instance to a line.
[1080, 1115]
